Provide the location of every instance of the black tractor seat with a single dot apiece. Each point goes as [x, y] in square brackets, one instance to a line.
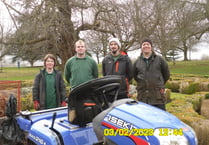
[89, 99]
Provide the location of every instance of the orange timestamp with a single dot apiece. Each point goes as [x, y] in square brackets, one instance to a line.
[128, 132]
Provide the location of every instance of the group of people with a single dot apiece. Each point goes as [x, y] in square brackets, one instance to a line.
[150, 71]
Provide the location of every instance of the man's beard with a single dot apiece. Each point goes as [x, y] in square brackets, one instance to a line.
[114, 51]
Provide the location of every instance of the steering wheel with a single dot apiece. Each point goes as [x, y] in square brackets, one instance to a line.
[103, 90]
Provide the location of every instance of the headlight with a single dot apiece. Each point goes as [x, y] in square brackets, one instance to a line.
[167, 136]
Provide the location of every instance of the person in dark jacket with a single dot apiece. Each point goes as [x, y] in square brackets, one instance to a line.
[151, 72]
[117, 63]
[49, 88]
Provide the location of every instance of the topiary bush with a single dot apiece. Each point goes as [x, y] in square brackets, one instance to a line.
[196, 100]
[184, 107]
[190, 89]
[201, 128]
[203, 86]
[207, 96]
[173, 86]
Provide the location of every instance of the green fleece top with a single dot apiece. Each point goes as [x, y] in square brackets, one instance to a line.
[51, 101]
[79, 70]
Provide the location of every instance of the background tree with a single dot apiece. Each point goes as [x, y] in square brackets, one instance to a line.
[54, 26]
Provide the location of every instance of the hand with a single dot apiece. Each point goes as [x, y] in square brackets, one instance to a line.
[63, 104]
[36, 105]
[162, 91]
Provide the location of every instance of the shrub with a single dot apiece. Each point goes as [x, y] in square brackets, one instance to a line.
[26, 90]
[201, 128]
[203, 86]
[207, 96]
[190, 89]
[173, 86]
[26, 102]
[196, 100]
[27, 83]
[168, 95]
[133, 82]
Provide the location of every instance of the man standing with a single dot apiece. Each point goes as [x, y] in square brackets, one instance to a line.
[80, 68]
[151, 73]
[117, 63]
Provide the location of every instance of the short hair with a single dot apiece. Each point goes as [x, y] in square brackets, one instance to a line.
[147, 40]
[79, 42]
[49, 56]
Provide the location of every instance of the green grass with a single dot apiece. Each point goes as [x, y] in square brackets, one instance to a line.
[187, 68]
[200, 67]
[178, 95]
[24, 73]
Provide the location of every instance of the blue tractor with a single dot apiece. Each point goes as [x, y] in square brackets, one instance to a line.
[96, 122]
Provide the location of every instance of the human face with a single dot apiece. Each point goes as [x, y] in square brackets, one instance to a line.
[146, 48]
[80, 49]
[114, 47]
[49, 64]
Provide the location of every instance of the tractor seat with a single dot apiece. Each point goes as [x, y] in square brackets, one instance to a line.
[89, 99]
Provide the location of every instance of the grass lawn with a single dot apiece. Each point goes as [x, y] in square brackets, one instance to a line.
[196, 68]
[24, 73]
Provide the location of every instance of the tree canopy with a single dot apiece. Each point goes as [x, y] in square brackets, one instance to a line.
[42, 26]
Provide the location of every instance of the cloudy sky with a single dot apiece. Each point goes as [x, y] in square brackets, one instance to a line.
[4, 17]
[203, 48]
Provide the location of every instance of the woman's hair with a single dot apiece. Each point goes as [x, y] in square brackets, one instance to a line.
[50, 56]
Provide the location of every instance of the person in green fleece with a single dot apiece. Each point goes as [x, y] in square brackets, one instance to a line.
[79, 69]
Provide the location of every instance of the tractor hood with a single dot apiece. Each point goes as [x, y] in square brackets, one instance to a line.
[131, 122]
[141, 115]
[44, 128]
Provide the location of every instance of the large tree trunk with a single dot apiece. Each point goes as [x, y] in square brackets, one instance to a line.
[185, 52]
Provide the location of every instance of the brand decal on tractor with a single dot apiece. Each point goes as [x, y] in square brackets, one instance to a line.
[37, 139]
[120, 122]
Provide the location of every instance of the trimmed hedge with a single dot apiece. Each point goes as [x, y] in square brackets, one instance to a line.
[173, 86]
[207, 96]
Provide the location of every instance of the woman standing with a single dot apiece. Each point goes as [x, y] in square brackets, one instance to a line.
[49, 89]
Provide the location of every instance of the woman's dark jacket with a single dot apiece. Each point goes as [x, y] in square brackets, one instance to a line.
[151, 78]
[39, 88]
[122, 66]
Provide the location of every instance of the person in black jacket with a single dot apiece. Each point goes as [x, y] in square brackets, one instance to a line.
[151, 72]
[49, 88]
[117, 63]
